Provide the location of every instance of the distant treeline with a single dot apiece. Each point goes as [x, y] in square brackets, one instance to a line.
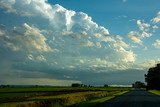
[139, 84]
[84, 85]
[80, 85]
[23, 86]
[34, 86]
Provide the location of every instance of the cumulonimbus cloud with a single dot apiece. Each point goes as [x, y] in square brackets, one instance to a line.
[62, 39]
[24, 38]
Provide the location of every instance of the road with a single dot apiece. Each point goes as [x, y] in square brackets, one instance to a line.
[135, 98]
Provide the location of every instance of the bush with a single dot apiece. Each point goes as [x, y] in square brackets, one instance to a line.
[76, 85]
[106, 85]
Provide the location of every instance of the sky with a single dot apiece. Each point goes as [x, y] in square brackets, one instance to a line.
[60, 42]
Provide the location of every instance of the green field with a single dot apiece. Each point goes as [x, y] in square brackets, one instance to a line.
[157, 92]
[57, 96]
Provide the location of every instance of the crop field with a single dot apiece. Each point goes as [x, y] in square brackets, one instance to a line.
[57, 96]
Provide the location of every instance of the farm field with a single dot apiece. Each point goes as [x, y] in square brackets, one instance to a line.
[57, 96]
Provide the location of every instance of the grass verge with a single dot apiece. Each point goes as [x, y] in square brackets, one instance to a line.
[157, 92]
[96, 101]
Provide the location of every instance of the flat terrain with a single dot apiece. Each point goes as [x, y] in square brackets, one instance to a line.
[56, 96]
[135, 98]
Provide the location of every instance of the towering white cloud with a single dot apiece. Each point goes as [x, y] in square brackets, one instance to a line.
[25, 38]
[63, 25]
[54, 38]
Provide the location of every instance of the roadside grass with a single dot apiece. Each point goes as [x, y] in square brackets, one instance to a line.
[96, 101]
[74, 98]
[65, 97]
[157, 92]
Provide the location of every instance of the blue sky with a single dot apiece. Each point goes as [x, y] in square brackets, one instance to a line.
[114, 13]
[60, 42]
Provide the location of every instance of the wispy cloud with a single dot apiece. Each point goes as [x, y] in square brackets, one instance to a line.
[157, 43]
[134, 36]
[124, 1]
[145, 30]
[157, 18]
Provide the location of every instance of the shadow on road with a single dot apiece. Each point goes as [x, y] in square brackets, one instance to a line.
[134, 98]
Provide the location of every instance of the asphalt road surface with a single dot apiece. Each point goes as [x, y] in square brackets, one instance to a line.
[135, 98]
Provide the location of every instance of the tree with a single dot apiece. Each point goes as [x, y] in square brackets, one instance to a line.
[106, 85]
[76, 85]
[138, 84]
[153, 78]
